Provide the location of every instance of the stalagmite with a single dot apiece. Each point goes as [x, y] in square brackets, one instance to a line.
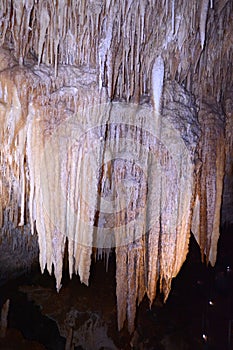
[103, 146]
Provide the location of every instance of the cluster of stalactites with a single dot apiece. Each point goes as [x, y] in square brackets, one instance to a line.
[123, 38]
[50, 189]
[29, 113]
[128, 46]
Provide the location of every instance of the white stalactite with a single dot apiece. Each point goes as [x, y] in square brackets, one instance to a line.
[157, 80]
[173, 16]
[203, 19]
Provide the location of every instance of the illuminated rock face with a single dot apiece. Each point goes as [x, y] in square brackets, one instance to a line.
[112, 129]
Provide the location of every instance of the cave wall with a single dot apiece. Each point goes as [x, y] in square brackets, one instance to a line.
[169, 62]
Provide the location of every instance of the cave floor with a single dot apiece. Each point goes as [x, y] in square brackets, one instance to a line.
[197, 314]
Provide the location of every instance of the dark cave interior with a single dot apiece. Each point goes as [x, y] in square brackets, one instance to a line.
[197, 315]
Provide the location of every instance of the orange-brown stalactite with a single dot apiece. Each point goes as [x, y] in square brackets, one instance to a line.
[206, 223]
[227, 208]
[105, 138]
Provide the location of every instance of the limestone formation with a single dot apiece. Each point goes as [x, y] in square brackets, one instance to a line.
[115, 127]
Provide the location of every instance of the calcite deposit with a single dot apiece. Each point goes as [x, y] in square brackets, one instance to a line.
[115, 128]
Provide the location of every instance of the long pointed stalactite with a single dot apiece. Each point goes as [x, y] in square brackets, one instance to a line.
[210, 182]
[110, 112]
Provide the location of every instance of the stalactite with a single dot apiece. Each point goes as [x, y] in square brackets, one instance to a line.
[53, 39]
[157, 83]
[227, 206]
[210, 183]
[53, 220]
[44, 23]
[203, 18]
[173, 16]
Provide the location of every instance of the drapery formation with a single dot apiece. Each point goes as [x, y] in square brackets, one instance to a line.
[101, 107]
